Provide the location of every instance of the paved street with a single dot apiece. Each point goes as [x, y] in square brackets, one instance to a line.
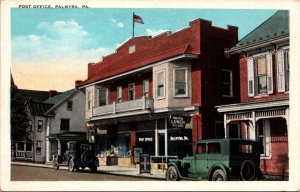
[28, 173]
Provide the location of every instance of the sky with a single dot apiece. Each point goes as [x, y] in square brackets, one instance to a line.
[51, 48]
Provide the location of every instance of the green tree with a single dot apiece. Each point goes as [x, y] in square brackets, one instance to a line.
[18, 116]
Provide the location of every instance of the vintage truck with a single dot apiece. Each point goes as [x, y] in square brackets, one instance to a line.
[218, 160]
[78, 155]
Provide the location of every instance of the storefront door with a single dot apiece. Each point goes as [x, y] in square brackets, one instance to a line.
[161, 144]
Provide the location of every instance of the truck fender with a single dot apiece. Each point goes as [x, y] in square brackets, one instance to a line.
[176, 167]
[217, 166]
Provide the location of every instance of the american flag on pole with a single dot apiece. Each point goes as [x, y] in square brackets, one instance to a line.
[138, 19]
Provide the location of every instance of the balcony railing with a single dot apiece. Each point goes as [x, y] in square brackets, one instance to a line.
[134, 105]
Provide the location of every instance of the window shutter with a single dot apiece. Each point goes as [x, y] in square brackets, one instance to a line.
[280, 72]
[269, 73]
[250, 70]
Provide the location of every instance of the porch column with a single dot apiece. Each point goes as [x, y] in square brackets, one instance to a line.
[156, 138]
[225, 126]
[48, 150]
[252, 133]
[58, 147]
[166, 136]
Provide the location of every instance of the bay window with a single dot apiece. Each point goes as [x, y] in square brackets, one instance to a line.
[160, 84]
[102, 96]
[180, 82]
[131, 91]
[119, 94]
[146, 88]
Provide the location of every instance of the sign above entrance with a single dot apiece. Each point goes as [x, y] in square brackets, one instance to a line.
[177, 121]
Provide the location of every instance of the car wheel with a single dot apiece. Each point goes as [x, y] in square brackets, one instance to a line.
[71, 165]
[171, 174]
[55, 164]
[86, 157]
[248, 171]
[219, 175]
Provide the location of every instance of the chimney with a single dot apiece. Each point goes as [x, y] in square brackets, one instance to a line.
[52, 93]
[77, 82]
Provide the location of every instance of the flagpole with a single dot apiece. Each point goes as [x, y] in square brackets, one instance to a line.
[133, 24]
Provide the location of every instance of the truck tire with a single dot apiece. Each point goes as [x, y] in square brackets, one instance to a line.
[248, 171]
[171, 174]
[219, 175]
[71, 165]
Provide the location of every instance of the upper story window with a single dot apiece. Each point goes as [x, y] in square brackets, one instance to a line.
[260, 65]
[180, 82]
[160, 84]
[65, 124]
[227, 83]
[89, 100]
[119, 94]
[131, 91]
[283, 70]
[146, 88]
[40, 125]
[30, 126]
[102, 96]
[69, 105]
[260, 74]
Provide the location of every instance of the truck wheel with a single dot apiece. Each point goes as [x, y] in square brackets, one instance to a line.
[71, 165]
[218, 175]
[171, 174]
[248, 171]
[55, 164]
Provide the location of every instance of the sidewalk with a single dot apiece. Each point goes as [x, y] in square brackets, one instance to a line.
[115, 170]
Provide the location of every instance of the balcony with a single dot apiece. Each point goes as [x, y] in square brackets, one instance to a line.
[143, 105]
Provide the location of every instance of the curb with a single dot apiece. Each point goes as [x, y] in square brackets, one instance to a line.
[98, 171]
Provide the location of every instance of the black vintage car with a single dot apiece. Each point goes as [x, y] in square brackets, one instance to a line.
[78, 155]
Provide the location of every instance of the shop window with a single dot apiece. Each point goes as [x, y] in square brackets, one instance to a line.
[123, 144]
[131, 91]
[160, 84]
[227, 83]
[102, 96]
[180, 82]
[39, 147]
[65, 124]
[89, 100]
[69, 105]
[40, 126]
[146, 88]
[119, 94]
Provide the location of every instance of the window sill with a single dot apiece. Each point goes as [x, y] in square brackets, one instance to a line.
[265, 157]
[160, 98]
[261, 96]
[227, 96]
[181, 96]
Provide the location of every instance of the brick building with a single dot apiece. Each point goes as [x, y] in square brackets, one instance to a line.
[159, 93]
[263, 113]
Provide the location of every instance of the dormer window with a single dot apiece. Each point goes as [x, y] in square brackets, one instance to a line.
[131, 49]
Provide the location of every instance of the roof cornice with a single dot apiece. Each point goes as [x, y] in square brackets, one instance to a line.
[259, 44]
